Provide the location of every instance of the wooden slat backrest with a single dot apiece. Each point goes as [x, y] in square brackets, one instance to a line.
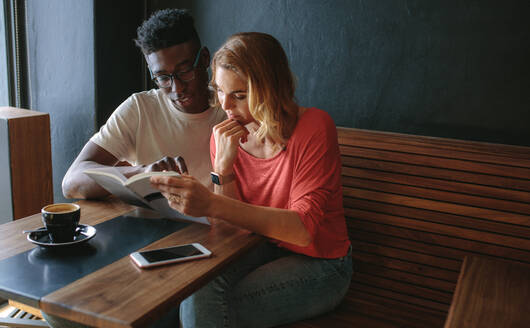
[416, 206]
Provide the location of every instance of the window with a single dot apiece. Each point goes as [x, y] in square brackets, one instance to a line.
[4, 77]
[13, 68]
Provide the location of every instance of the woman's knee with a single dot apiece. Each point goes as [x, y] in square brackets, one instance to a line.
[206, 307]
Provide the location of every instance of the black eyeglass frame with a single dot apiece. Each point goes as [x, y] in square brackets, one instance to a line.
[175, 75]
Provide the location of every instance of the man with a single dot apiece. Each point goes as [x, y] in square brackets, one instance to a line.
[151, 128]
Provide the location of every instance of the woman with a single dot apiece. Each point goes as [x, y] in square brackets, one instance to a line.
[277, 173]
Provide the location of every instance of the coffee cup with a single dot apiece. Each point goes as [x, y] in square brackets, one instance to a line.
[61, 221]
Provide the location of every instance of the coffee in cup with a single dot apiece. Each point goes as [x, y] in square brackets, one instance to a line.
[61, 221]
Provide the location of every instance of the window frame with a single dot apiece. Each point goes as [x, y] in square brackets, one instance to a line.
[16, 55]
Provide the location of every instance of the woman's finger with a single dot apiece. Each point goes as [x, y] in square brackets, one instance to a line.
[226, 126]
[167, 184]
[223, 125]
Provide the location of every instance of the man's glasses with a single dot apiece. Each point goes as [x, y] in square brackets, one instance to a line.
[166, 81]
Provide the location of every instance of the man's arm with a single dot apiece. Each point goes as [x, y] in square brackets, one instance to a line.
[76, 184]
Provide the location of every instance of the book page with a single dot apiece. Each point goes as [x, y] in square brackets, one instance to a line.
[110, 171]
[147, 175]
[113, 184]
[142, 186]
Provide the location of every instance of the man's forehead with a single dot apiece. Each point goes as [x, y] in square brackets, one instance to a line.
[173, 56]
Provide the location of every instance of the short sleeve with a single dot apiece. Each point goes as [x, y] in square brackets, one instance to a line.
[118, 134]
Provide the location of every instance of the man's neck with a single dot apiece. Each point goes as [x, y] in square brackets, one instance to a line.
[198, 111]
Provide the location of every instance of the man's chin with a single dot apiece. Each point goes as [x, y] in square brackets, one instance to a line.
[189, 104]
[183, 106]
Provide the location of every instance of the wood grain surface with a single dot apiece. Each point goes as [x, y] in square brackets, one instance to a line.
[121, 294]
[13, 241]
[491, 293]
[30, 159]
[415, 207]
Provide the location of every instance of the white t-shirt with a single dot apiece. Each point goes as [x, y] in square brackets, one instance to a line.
[146, 127]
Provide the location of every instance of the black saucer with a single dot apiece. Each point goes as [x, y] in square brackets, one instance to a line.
[83, 234]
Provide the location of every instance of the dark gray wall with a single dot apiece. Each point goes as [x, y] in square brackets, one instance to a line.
[424, 67]
[441, 68]
[119, 63]
[82, 65]
[60, 42]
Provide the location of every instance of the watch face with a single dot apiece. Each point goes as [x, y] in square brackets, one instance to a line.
[215, 179]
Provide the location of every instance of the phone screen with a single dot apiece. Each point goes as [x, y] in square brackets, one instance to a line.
[170, 253]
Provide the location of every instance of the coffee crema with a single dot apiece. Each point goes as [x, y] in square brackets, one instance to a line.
[60, 208]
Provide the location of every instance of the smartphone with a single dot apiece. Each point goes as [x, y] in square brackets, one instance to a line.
[174, 254]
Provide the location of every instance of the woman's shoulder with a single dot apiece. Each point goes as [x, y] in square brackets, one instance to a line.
[314, 124]
[314, 119]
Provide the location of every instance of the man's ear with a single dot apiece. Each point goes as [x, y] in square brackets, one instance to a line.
[148, 66]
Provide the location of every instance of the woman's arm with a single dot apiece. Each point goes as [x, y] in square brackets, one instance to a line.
[228, 189]
[192, 198]
[280, 224]
[225, 142]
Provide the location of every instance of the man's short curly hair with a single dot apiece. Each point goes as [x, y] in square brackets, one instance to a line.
[166, 28]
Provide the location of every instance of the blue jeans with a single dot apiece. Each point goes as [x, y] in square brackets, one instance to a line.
[269, 286]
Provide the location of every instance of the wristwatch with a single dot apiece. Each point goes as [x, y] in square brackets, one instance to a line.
[219, 179]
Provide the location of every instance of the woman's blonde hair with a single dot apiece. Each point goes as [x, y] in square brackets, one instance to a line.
[259, 58]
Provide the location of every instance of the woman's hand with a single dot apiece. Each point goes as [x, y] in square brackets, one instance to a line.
[185, 194]
[227, 135]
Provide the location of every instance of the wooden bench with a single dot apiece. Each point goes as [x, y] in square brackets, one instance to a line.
[416, 206]
[490, 294]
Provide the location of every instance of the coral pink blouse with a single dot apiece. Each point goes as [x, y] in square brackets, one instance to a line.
[304, 177]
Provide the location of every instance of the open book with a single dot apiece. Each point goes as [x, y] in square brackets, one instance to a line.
[137, 190]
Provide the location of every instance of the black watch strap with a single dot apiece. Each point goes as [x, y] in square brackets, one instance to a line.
[219, 179]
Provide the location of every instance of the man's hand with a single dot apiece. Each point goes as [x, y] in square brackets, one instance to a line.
[167, 163]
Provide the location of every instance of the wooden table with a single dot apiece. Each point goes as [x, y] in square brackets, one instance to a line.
[120, 294]
[491, 293]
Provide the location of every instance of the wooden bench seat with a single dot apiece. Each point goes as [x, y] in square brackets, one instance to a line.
[415, 207]
[489, 294]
